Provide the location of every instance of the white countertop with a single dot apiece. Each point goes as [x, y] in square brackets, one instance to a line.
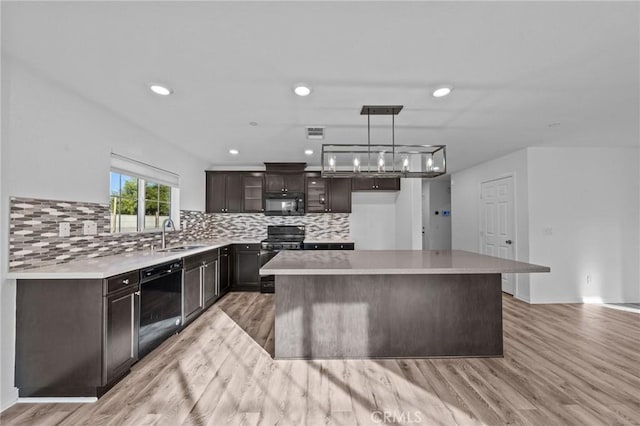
[391, 262]
[108, 266]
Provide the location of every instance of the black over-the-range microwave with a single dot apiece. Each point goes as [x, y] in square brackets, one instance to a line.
[284, 204]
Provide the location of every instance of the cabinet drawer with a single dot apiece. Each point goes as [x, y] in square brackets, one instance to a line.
[121, 281]
[341, 246]
[329, 246]
[252, 246]
[200, 259]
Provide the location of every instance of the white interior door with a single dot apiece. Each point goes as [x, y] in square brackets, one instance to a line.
[497, 224]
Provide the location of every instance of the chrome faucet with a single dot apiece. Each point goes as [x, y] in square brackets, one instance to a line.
[164, 230]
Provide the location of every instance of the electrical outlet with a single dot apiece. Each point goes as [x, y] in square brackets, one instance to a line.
[65, 229]
[90, 227]
[588, 278]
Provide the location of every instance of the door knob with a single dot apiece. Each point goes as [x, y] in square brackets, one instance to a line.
[508, 241]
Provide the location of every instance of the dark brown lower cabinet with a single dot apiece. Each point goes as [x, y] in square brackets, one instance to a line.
[224, 269]
[200, 284]
[193, 301]
[210, 283]
[247, 267]
[121, 344]
[75, 337]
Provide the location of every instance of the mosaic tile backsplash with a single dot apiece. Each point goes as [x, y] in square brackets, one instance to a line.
[34, 239]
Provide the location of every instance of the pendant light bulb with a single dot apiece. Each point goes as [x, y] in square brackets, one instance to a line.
[332, 163]
[381, 167]
[405, 165]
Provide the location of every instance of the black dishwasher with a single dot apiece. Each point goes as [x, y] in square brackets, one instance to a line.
[160, 304]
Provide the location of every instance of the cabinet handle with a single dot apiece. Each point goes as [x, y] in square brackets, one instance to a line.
[125, 282]
[329, 209]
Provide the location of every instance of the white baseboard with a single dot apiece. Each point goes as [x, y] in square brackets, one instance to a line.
[57, 400]
[622, 308]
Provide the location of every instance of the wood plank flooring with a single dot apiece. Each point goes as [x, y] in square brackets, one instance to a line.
[563, 365]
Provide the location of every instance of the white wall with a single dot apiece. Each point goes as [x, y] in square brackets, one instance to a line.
[57, 145]
[372, 222]
[584, 220]
[436, 195]
[409, 215]
[8, 393]
[465, 208]
[388, 220]
[577, 211]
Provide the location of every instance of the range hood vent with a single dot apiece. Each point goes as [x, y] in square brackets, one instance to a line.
[314, 132]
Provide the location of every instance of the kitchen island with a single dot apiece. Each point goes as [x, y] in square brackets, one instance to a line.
[379, 304]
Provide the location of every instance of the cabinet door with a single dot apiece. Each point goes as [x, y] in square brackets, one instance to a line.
[340, 196]
[224, 276]
[275, 182]
[234, 193]
[294, 182]
[216, 192]
[388, 184]
[192, 293]
[248, 269]
[252, 190]
[121, 347]
[363, 184]
[317, 199]
[210, 281]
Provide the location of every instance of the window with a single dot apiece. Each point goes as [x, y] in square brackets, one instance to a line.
[141, 197]
[157, 205]
[123, 204]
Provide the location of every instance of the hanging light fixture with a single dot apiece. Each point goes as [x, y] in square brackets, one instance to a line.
[383, 160]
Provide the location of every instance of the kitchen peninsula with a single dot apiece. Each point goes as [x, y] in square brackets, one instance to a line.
[400, 303]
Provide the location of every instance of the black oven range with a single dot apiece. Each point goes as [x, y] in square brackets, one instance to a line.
[279, 237]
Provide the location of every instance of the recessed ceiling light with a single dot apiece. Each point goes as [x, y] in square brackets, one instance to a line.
[253, 123]
[234, 152]
[302, 89]
[308, 151]
[441, 92]
[160, 90]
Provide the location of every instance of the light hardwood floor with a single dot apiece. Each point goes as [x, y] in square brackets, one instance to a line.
[563, 365]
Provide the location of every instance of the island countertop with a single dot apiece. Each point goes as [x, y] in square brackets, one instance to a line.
[392, 262]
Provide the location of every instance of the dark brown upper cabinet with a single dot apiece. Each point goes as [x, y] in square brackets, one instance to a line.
[375, 184]
[224, 192]
[327, 195]
[253, 192]
[289, 182]
[235, 192]
[285, 177]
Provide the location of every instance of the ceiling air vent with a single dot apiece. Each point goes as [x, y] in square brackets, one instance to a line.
[314, 132]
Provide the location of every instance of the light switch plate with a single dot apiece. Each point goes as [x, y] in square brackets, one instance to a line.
[65, 229]
[90, 227]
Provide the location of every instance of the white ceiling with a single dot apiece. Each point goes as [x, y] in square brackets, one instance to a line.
[515, 67]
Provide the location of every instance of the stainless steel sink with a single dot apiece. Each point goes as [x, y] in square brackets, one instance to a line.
[179, 248]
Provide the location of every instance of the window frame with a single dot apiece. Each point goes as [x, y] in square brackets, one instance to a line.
[144, 173]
